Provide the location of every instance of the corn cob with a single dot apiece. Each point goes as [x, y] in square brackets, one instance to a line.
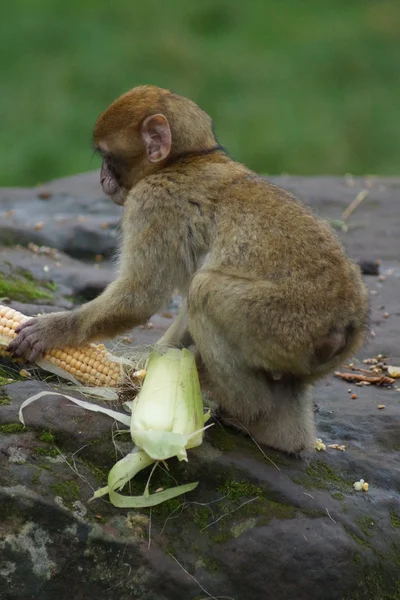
[89, 364]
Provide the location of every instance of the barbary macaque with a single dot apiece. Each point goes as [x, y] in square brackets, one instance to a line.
[272, 301]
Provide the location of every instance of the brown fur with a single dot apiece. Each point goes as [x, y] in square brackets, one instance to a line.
[273, 302]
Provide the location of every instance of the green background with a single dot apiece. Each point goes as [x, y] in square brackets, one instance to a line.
[294, 86]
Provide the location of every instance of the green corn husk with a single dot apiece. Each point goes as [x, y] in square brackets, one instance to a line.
[168, 415]
[167, 419]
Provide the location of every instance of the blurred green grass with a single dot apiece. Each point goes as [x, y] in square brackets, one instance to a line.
[296, 86]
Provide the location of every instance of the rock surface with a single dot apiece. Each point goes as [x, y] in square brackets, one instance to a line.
[260, 525]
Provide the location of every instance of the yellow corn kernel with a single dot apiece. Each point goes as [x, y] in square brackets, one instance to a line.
[89, 364]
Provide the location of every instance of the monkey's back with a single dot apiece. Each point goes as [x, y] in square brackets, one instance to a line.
[289, 265]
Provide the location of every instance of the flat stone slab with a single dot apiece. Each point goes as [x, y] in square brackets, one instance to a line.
[259, 524]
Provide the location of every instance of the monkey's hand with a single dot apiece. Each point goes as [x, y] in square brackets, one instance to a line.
[40, 334]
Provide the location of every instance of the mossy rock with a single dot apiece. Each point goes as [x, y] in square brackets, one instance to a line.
[21, 286]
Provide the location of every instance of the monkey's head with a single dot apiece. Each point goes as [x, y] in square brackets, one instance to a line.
[143, 131]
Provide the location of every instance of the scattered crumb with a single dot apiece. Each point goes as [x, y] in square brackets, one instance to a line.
[99, 258]
[340, 447]
[24, 373]
[53, 252]
[104, 225]
[39, 226]
[141, 374]
[386, 315]
[381, 406]
[319, 445]
[354, 396]
[361, 486]
[394, 371]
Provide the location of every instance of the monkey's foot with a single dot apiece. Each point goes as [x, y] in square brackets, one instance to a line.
[291, 438]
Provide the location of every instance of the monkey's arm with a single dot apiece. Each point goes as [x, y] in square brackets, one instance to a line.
[147, 278]
[107, 315]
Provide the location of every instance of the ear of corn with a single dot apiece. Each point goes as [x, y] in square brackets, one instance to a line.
[88, 364]
[167, 416]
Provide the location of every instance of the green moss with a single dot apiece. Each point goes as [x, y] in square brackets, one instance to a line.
[395, 554]
[12, 428]
[164, 510]
[236, 490]
[269, 509]
[265, 508]
[69, 490]
[210, 564]
[377, 583]
[50, 285]
[395, 520]
[4, 400]
[319, 475]
[221, 537]
[337, 495]
[21, 289]
[36, 477]
[100, 473]
[356, 538]
[221, 438]
[51, 451]
[365, 524]
[313, 513]
[201, 517]
[28, 276]
[47, 436]
[243, 526]
[45, 466]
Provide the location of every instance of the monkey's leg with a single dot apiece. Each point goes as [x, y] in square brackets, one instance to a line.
[177, 334]
[289, 426]
[278, 413]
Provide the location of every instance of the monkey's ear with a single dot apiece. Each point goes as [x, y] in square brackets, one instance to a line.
[156, 135]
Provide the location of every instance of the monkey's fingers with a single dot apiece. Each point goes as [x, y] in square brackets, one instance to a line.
[29, 349]
[25, 324]
[28, 343]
